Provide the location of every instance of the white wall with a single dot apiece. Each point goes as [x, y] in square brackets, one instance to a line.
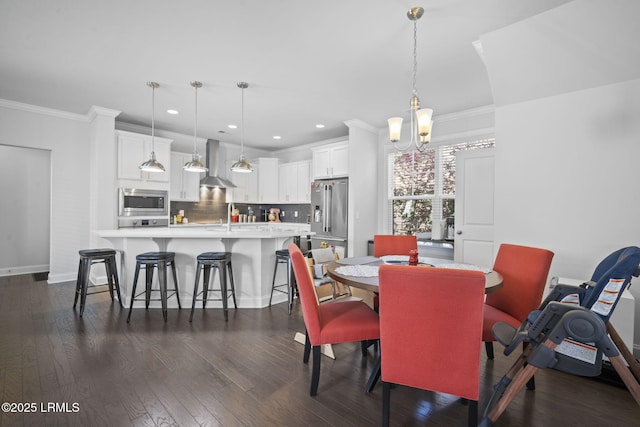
[567, 152]
[71, 139]
[24, 211]
[363, 190]
[66, 136]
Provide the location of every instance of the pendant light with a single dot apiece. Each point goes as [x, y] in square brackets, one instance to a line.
[421, 122]
[152, 165]
[242, 165]
[195, 165]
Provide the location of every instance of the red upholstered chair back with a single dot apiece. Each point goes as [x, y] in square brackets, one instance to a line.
[524, 272]
[387, 244]
[307, 292]
[431, 328]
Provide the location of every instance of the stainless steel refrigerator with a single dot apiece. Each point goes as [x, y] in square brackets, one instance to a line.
[329, 198]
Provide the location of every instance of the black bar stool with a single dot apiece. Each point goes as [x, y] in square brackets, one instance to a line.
[88, 257]
[282, 257]
[148, 261]
[221, 261]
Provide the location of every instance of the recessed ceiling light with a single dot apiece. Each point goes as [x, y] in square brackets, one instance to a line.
[319, 126]
[172, 112]
[232, 126]
[277, 137]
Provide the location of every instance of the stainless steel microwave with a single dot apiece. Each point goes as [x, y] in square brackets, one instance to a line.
[137, 202]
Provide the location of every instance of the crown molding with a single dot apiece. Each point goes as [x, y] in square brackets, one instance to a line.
[93, 112]
[487, 109]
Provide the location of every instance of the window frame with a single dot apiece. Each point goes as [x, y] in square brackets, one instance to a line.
[438, 198]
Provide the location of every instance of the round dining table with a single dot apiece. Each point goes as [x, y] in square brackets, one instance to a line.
[370, 283]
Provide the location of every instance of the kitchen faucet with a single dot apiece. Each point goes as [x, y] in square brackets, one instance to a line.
[231, 208]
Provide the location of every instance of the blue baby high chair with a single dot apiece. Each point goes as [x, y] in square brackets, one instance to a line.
[570, 331]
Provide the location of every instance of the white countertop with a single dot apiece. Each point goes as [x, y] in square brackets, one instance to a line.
[204, 231]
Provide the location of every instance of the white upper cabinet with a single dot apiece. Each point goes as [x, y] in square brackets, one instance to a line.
[268, 180]
[246, 184]
[184, 186]
[295, 182]
[331, 161]
[134, 149]
[259, 186]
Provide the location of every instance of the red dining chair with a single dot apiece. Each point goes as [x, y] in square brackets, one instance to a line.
[346, 321]
[393, 244]
[423, 309]
[524, 273]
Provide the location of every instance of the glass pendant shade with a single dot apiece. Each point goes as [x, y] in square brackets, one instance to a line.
[395, 128]
[423, 117]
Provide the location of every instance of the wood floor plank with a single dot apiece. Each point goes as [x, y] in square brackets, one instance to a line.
[247, 371]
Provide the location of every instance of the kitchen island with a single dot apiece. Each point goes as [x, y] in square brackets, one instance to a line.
[253, 248]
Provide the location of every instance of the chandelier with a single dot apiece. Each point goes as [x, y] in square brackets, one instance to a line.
[421, 122]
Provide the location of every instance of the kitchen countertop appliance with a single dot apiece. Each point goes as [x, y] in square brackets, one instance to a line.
[329, 198]
[142, 208]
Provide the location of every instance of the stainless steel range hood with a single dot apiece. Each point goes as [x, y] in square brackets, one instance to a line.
[212, 179]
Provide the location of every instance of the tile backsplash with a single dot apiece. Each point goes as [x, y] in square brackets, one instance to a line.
[212, 209]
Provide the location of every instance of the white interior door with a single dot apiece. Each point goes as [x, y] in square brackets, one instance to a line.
[474, 207]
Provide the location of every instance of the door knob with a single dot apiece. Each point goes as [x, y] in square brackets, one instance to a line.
[459, 232]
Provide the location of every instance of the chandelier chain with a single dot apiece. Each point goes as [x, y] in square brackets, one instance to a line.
[415, 55]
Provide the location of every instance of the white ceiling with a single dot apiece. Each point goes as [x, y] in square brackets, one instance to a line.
[306, 61]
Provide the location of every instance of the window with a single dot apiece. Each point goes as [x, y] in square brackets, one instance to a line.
[422, 186]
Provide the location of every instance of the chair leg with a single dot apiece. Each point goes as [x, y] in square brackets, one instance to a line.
[531, 384]
[107, 271]
[273, 281]
[519, 380]
[315, 370]
[85, 284]
[148, 274]
[162, 279]
[205, 284]
[175, 283]
[116, 283]
[195, 291]
[488, 346]
[78, 283]
[289, 285]
[374, 377]
[133, 290]
[472, 417]
[307, 349]
[386, 404]
[233, 286]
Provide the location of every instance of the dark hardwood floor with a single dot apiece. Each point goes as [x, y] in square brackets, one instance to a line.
[248, 371]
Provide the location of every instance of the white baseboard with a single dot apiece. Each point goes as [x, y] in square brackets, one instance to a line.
[27, 269]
